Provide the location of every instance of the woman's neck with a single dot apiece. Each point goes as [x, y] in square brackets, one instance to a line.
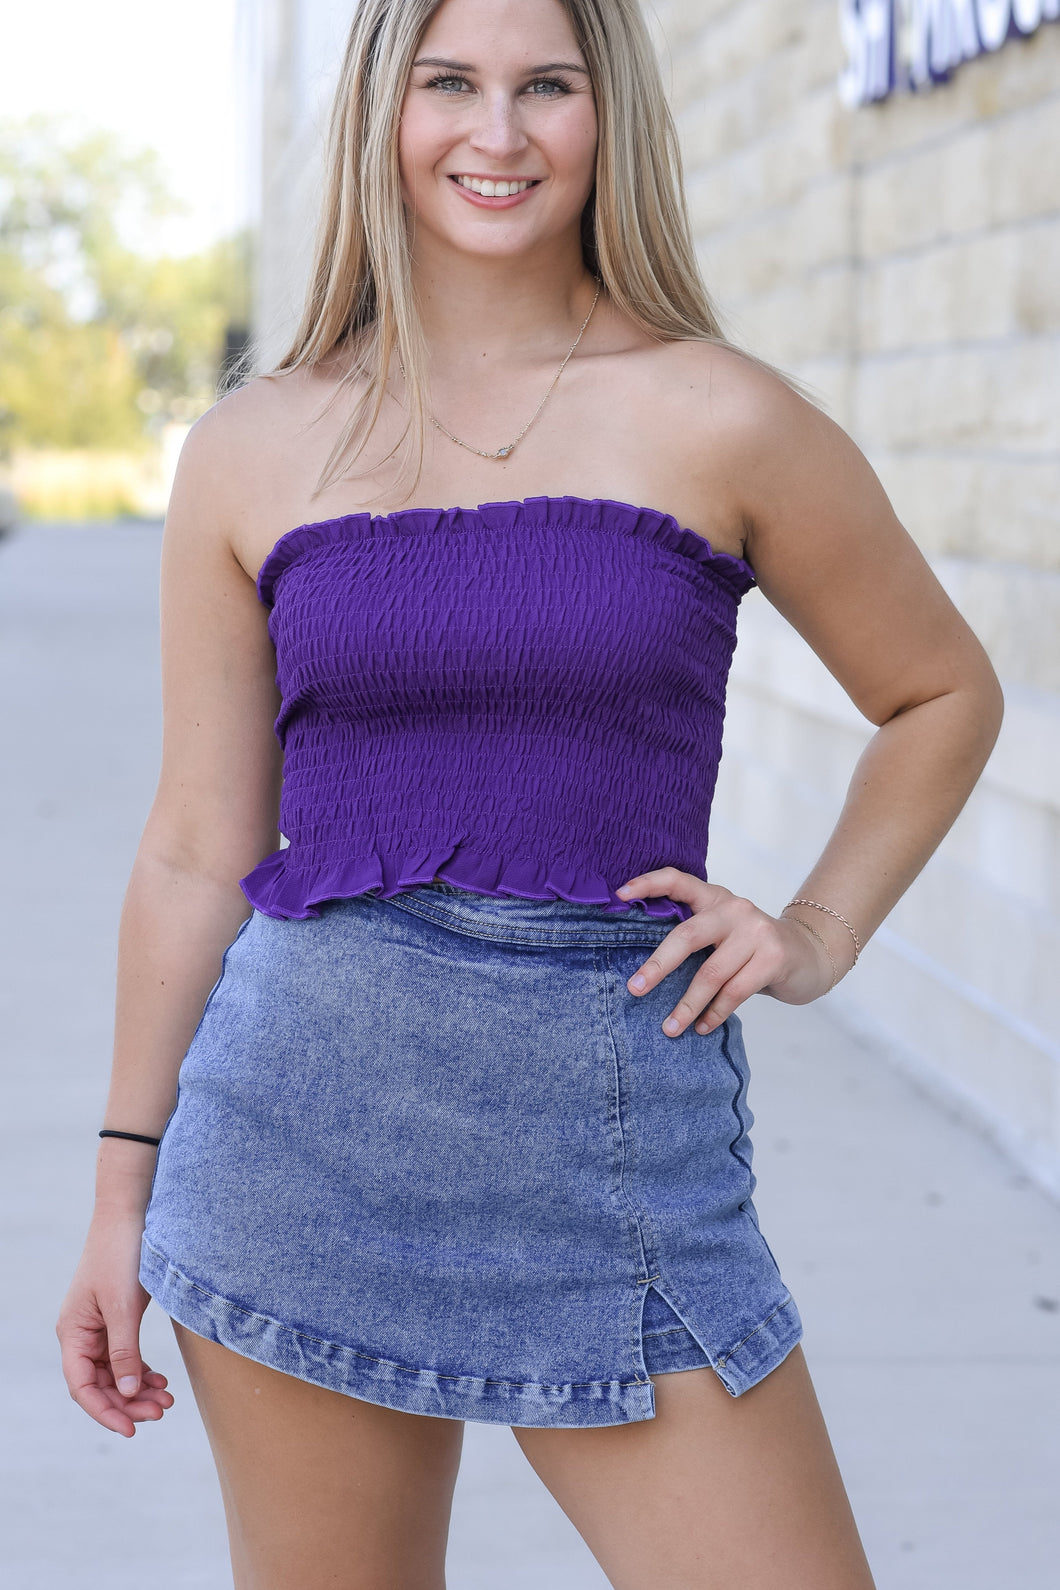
[480, 312]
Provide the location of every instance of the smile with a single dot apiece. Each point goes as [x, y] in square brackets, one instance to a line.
[496, 187]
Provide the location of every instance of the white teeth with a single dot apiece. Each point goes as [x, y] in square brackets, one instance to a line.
[492, 190]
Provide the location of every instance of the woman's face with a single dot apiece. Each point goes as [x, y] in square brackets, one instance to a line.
[498, 94]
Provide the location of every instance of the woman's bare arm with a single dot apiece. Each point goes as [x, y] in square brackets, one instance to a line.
[831, 555]
[833, 558]
[215, 810]
[213, 818]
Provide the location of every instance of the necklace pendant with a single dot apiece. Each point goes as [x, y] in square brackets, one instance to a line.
[503, 452]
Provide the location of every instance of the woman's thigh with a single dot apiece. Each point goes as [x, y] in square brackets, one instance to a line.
[321, 1489]
[715, 1491]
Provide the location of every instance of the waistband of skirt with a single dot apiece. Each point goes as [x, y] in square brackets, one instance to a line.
[512, 920]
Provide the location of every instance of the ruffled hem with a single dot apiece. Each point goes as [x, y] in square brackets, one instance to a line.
[560, 512]
[285, 885]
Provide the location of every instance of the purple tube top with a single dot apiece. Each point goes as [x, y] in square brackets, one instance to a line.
[524, 698]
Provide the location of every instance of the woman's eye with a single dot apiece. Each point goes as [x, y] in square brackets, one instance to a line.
[540, 88]
[448, 85]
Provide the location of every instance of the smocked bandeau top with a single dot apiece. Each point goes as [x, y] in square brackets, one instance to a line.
[524, 698]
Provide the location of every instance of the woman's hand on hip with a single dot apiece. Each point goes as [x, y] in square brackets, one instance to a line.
[752, 953]
[99, 1330]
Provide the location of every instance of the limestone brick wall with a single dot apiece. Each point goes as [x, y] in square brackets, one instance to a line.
[298, 46]
[904, 257]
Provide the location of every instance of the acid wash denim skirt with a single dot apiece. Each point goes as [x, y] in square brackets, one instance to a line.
[429, 1151]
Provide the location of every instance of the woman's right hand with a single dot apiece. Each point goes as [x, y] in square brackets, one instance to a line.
[99, 1329]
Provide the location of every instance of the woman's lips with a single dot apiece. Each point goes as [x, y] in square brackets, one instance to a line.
[493, 203]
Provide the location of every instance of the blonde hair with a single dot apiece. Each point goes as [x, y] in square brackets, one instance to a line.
[636, 235]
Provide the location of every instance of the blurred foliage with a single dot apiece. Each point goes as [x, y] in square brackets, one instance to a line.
[81, 483]
[101, 342]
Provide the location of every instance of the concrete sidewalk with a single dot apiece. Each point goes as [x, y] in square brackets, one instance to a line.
[926, 1269]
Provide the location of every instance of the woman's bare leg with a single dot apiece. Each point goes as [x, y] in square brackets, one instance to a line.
[715, 1491]
[323, 1491]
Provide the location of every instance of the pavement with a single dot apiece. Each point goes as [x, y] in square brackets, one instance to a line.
[925, 1266]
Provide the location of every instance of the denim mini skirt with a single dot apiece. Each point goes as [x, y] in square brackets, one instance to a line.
[429, 1151]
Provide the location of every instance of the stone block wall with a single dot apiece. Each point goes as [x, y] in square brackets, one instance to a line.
[298, 47]
[904, 258]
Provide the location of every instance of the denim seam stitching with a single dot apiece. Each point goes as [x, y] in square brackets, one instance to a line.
[645, 1228]
[761, 1326]
[735, 1101]
[645, 1242]
[543, 936]
[389, 1363]
[676, 1301]
[648, 1236]
[624, 1207]
[621, 1110]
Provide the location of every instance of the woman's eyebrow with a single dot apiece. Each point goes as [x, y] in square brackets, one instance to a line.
[462, 66]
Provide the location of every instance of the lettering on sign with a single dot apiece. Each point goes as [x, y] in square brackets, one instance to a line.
[895, 45]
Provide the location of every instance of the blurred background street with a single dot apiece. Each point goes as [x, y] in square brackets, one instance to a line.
[925, 1264]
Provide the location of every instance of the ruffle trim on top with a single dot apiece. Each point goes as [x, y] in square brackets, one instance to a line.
[283, 885]
[599, 513]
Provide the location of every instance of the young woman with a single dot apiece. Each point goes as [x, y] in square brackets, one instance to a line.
[461, 1130]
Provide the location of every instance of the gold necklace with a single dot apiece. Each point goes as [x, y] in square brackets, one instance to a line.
[503, 452]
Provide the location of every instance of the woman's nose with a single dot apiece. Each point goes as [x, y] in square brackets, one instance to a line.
[498, 132]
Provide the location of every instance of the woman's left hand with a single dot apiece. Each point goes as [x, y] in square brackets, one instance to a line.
[753, 952]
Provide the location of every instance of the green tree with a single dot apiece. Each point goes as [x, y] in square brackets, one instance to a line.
[101, 342]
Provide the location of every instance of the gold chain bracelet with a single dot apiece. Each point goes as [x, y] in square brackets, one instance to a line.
[850, 929]
[827, 951]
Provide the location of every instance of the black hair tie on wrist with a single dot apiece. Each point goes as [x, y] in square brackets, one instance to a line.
[133, 1137]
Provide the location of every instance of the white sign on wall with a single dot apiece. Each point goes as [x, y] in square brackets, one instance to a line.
[910, 44]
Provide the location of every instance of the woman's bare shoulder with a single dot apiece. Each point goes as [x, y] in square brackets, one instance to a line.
[246, 462]
[729, 386]
[243, 428]
[713, 416]
[769, 434]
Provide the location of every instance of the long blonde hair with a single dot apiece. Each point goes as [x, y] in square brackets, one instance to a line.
[636, 235]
